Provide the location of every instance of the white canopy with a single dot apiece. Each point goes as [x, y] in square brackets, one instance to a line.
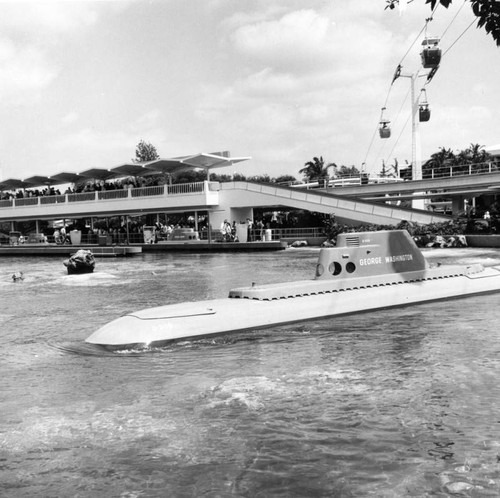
[206, 161]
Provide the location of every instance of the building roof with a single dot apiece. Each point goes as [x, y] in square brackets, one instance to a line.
[494, 150]
[205, 161]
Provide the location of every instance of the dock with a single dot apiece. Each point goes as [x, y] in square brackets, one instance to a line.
[131, 250]
[67, 250]
[204, 246]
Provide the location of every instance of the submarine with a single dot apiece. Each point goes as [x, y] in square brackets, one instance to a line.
[365, 271]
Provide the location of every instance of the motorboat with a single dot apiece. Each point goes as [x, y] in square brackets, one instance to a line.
[365, 271]
[82, 261]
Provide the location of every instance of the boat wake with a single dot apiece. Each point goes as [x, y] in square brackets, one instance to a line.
[79, 349]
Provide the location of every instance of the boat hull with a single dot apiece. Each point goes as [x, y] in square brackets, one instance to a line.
[205, 318]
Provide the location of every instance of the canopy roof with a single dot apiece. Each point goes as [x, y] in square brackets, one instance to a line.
[65, 177]
[98, 174]
[206, 161]
[13, 183]
[494, 150]
[130, 169]
[38, 181]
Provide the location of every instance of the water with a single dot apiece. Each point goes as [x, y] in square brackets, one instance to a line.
[392, 403]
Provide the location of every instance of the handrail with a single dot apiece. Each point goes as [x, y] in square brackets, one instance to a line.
[52, 199]
[186, 188]
[6, 203]
[106, 195]
[112, 194]
[334, 201]
[449, 171]
[147, 191]
[26, 201]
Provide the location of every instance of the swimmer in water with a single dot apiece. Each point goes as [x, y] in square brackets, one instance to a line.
[18, 276]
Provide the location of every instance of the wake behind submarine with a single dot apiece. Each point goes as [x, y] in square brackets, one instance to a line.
[365, 271]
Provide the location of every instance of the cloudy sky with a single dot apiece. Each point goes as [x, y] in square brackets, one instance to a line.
[81, 83]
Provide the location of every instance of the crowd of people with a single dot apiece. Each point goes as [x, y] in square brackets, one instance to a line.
[88, 186]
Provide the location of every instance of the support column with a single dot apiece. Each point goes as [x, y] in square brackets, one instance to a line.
[457, 204]
[416, 149]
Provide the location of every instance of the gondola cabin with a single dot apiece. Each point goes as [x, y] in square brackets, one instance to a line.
[384, 129]
[424, 113]
[431, 53]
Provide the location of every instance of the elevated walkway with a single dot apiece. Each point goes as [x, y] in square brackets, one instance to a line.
[232, 200]
[456, 185]
[345, 209]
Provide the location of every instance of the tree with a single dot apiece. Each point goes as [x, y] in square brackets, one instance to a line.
[285, 179]
[487, 12]
[316, 169]
[385, 172]
[265, 178]
[239, 177]
[473, 155]
[477, 154]
[144, 152]
[443, 157]
[347, 171]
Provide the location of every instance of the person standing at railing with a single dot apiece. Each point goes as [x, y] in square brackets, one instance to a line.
[225, 230]
[249, 224]
[487, 218]
[260, 229]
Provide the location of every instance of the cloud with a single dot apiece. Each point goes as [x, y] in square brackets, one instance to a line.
[292, 40]
[24, 71]
[109, 145]
[267, 83]
[70, 118]
[28, 20]
[29, 31]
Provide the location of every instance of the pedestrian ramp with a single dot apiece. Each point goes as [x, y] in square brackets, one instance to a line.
[243, 194]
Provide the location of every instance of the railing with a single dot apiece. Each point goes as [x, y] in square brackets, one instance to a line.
[7, 203]
[81, 197]
[186, 188]
[428, 173]
[345, 182]
[288, 233]
[27, 201]
[112, 194]
[460, 170]
[106, 195]
[52, 199]
[147, 191]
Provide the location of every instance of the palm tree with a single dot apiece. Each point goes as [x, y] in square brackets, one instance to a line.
[478, 154]
[316, 169]
[437, 161]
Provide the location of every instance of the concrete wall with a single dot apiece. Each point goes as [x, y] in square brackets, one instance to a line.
[483, 240]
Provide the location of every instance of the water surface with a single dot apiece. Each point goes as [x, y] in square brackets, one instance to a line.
[393, 403]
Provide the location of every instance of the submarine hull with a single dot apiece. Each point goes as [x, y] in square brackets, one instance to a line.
[204, 318]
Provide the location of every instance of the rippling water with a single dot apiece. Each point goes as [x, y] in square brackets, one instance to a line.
[392, 403]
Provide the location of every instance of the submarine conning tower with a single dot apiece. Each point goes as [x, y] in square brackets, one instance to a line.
[360, 260]
[367, 254]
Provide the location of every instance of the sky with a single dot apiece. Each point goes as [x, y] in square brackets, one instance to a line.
[280, 81]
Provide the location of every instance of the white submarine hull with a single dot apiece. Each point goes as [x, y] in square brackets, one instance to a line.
[333, 292]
